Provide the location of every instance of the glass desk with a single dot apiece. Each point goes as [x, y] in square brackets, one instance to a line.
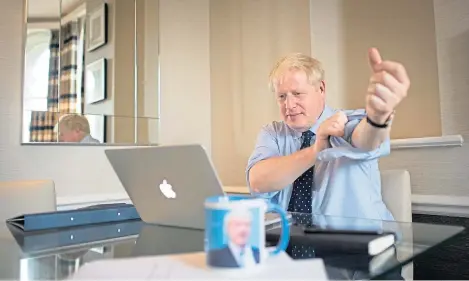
[55, 256]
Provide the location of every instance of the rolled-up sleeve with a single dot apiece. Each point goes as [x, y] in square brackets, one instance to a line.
[266, 147]
[354, 119]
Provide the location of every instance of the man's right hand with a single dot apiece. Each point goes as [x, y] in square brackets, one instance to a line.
[275, 173]
[333, 126]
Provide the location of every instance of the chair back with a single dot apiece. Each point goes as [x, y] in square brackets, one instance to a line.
[26, 197]
[397, 195]
[18, 198]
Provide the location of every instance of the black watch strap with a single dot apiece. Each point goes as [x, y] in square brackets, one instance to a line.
[385, 125]
[381, 126]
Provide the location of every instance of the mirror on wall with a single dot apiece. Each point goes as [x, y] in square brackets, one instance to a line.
[91, 72]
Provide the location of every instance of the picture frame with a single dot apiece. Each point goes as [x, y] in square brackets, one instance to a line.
[96, 81]
[97, 29]
[98, 126]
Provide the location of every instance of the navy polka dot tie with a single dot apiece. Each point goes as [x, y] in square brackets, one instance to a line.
[301, 201]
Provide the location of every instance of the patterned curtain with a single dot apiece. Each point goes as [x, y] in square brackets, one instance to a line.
[62, 96]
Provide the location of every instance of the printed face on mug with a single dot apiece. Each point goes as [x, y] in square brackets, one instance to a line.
[235, 232]
[238, 227]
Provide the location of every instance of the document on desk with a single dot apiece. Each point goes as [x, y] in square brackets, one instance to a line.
[192, 266]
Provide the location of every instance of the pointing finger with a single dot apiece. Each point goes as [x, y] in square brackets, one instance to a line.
[374, 59]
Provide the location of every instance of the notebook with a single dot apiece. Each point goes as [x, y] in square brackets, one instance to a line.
[337, 241]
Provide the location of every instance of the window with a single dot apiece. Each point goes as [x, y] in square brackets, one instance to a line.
[36, 75]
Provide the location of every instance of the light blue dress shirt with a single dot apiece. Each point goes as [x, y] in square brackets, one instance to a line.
[346, 179]
[89, 139]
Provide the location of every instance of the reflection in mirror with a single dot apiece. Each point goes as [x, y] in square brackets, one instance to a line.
[80, 69]
[90, 129]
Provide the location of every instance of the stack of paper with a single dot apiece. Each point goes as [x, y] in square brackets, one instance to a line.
[192, 266]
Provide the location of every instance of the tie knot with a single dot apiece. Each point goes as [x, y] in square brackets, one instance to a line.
[308, 135]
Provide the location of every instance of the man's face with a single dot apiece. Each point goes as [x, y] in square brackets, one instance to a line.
[239, 230]
[300, 103]
[66, 135]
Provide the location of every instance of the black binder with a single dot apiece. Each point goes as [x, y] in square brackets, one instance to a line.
[72, 218]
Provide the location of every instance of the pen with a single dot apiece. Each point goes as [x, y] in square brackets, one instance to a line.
[313, 230]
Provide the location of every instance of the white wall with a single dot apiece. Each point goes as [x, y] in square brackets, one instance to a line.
[246, 39]
[77, 171]
[83, 172]
[326, 45]
[444, 171]
[439, 175]
[185, 72]
[343, 30]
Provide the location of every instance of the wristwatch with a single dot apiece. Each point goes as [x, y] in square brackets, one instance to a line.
[386, 123]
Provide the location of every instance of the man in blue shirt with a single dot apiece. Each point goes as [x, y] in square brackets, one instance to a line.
[320, 160]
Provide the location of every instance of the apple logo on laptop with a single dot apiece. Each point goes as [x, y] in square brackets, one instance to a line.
[167, 190]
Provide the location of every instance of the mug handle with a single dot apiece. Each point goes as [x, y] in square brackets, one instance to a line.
[285, 236]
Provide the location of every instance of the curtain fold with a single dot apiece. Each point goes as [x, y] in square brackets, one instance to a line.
[65, 90]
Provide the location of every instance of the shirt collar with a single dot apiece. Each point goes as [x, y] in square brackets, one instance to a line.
[235, 249]
[326, 113]
[86, 138]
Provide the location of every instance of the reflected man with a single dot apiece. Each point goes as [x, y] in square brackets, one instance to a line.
[75, 128]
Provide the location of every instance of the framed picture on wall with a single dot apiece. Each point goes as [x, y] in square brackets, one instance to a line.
[95, 81]
[97, 27]
[97, 126]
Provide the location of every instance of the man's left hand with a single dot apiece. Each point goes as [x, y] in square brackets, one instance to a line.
[388, 86]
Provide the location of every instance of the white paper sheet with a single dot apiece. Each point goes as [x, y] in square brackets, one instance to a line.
[192, 266]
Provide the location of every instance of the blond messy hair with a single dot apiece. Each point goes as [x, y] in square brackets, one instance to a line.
[75, 122]
[297, 61]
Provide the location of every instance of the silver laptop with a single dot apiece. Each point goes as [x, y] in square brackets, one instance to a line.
[167, 184]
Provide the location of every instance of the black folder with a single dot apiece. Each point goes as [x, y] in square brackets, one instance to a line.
[79, 217]
[50, 240]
